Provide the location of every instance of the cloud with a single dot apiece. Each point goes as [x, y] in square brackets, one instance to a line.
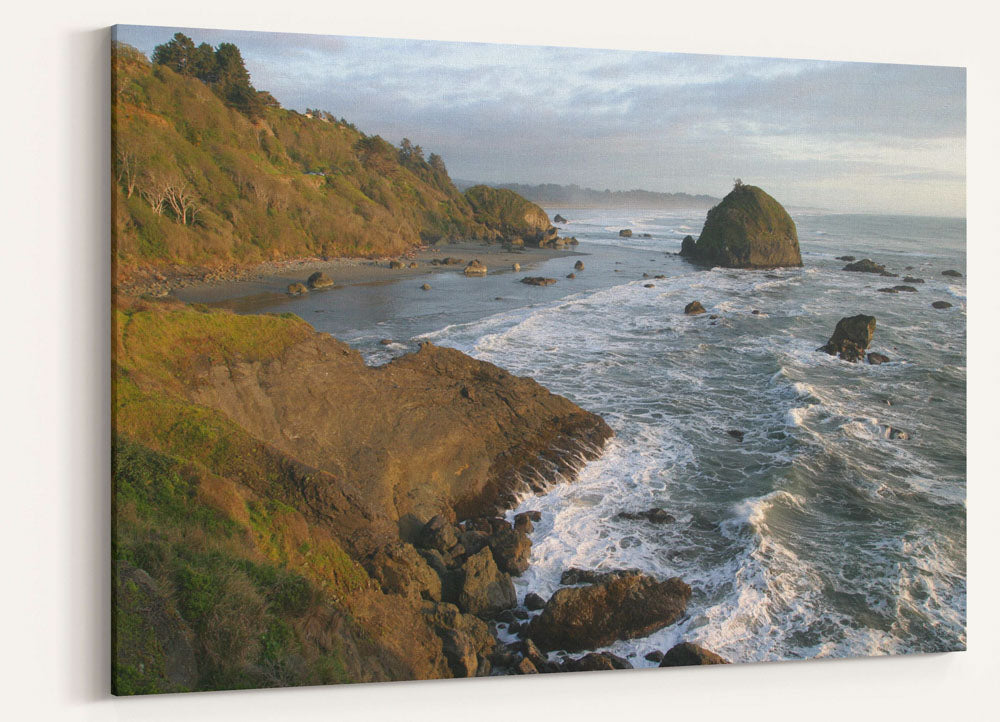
[820, 132]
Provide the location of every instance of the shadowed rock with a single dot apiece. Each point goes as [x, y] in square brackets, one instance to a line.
[296, 289]
[941, 304]
[319, 280]
[951, 273]
[538, 281]
[866, 265]
[475, 268]
[694, 308]
[877, 358]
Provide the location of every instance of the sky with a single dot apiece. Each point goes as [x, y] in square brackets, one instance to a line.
[847, 137]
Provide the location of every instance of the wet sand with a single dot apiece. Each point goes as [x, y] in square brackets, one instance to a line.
[273, 280]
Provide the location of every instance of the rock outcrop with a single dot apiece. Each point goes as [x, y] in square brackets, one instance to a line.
[538, 281]
[319, 280]
[951, 274]
[475, 268]
[296, 289]
[851, 337]
[559, 219]
[694, 308]
[941, 305]
[748, 229]
[865, 265]
[510, 214]
[626, 606]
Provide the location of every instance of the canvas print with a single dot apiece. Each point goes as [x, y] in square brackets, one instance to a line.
[441, 359]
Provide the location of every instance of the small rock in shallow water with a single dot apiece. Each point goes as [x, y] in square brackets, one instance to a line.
[877, 358]
[654, 656]
[694, 308]
[941, 304]
[386, 342]
[951, 273]
[648, 285]
[572, 275]
[686, 654]
[736, 434]
[425, 287]
[654, 515]
[533, 601]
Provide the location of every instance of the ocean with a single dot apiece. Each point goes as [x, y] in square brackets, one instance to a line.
[823, 533]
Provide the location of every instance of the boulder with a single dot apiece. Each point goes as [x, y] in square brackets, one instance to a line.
[396, 265]
[951, 274]
[466, 640]
[941, 304]
[694, 308]
[525, 667]
[748, 229]
[598, 662]
[414, 264]
[438, 534]
[399, 569]
[649, 285]
[911, 279]
[623, 607]
[578, 266]
[655, 656]
[485, 590]
[425, 287]
[686, 654]
[571, 276]
[887, 290]
[847, 259]
[475, 268]
[688, 247]
[866, 265]
[905, 289]
[538, 281]
[877, 358]
[625, 233]
[559, 219]
[516, 266]
[296, 289]
[574, 575]
[572, 241]
[851, 337]
[654, 515]
[319, 280]
[511, 550]
[737, 434]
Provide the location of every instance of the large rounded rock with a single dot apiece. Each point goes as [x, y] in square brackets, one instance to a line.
[625, 606]
[475, 268]
[485, 590]
[865, 265]
[319, 280]
[297, 289]
[748, 229]
[686, 654]
[851, 337]
[694, 308]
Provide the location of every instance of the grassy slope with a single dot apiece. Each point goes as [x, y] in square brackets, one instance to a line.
[270, 596]
[285, 186]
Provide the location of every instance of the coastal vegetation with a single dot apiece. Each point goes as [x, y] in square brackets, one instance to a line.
[210, 172]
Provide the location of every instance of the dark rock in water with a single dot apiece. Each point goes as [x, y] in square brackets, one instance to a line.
[511, 549]
[623, 607]
[911, 279]
[748, 229]
[598, 662]
[648, 285]
[574, 575]
[888, 274]
[654, 656]
[951, 273]
[686, 654]
[625, 233]
[877, 358]
[319, 280]
[395, 265]
[654, 515]
[851, 337]
[533, 601]
[941, 304]
[694, 308]
[756, 312]
[846, 258]
[571, 276]
[485, 590]
[296, 289]
[578, 265]
[538, 281]
[659, 276]
[387, 342]
[559, 219]
[713, 316]
[688, 247]
[888, 290]
[866, 265]
[645, 235]
[736, 434]
[524, 522]
[896, 434]
[905, 289]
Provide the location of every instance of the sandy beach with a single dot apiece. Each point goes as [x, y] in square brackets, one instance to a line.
[272, 279]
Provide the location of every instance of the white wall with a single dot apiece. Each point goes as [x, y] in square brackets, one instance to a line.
[54, 644]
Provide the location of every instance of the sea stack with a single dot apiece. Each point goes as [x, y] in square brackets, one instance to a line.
[748, 229]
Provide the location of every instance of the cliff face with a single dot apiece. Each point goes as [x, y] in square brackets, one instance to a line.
[269, 482]
[748, 229]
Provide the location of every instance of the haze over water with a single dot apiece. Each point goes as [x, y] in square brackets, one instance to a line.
[818, 534]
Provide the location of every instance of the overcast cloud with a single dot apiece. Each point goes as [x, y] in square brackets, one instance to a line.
[855, 137]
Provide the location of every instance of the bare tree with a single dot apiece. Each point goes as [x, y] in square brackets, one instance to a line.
[128, 167]
[154, 191]
[182, 200]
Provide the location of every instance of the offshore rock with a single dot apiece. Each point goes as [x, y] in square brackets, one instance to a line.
[686, 654]
[851, 337]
